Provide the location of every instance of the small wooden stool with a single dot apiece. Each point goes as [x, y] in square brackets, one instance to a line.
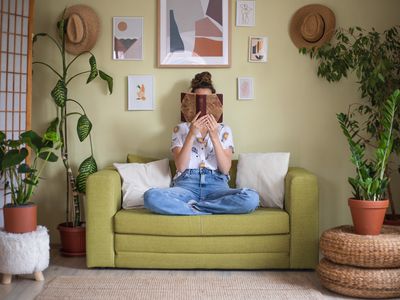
[24, 253]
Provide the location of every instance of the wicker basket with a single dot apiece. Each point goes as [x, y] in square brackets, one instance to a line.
[341, 245]
[359, 282]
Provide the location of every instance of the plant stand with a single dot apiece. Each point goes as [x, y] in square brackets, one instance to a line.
[366, 266]
[24, 253]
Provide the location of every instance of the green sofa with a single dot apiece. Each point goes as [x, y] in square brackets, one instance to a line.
[265, 239]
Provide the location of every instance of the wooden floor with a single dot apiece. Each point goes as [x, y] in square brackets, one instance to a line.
[24, 287]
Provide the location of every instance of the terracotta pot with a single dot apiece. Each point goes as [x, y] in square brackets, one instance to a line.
[20, 218]
[73, 239]
[368, 215]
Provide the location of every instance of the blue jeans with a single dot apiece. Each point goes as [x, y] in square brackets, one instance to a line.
[200, 192]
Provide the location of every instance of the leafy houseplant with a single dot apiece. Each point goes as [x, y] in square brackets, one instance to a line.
[76, 183]
[371, 181]
[21, 177]
[374, 58]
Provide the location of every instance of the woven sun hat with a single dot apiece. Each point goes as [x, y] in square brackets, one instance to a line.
[312, 26]
[82, 28]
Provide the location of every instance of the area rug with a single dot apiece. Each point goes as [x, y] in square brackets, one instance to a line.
[203, 285]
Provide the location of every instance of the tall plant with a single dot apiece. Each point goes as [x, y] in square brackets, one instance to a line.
[76, 184]
[374, 59]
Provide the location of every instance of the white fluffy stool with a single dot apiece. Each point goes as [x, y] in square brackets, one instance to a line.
[24, 253]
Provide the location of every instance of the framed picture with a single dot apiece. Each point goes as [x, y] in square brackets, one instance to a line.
[245, 88]
[193, 33]
[245, 13]
[258, 49]
[140, 92]
[128, 38]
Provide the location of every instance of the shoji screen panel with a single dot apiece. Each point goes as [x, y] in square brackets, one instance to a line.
[15, 71]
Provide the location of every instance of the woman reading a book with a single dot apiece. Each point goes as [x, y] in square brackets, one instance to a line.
[202, 151]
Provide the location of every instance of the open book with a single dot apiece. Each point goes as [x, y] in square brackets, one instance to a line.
[192, 103]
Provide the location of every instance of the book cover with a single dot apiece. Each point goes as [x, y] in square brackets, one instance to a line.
[192, 103]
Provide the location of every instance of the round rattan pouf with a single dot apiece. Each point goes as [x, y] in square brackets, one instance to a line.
[341, 245]
[359, 282]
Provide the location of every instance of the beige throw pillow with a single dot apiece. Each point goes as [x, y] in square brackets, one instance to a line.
[265, 173]
[137, 178]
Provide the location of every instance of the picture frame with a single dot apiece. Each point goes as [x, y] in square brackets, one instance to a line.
[193, 33]
[246, 13]
[245, 88]
[141, 92]
[258, 49]
[127, 38]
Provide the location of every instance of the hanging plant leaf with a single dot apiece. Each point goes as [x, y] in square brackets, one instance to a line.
[59, 93]
[107, 78]
[93, 69]
[83, 127]
[87, 167]
[14, 157]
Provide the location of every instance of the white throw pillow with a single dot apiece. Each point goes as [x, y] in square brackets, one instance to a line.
[137, 178]
[265, 173]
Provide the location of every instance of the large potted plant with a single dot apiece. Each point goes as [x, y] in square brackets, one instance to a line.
[72, 231]
[368, 205]
[21, 172]
[374, 59]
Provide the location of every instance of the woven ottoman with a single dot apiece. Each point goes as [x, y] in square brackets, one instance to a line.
[361, 265]
[24, 253]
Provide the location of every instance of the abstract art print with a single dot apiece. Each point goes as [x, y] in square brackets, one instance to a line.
[128, 38]
[140, 92]
[193, 33]
[245, 88]
[245, 13]
[258, 49]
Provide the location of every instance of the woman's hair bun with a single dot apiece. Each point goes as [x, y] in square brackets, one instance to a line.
[202, 80]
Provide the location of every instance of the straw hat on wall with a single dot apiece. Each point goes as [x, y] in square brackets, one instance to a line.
[82, 29]
[312, 26]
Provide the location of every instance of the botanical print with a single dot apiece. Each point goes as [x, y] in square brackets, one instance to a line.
[140, 92]
[258, 49]
[245, 13]
[245, 88]
[193, 32]
[128, 38]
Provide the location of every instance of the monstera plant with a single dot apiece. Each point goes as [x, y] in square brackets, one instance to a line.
[66, 105]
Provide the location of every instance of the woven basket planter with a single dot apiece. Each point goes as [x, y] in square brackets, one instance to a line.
[341, 245]
[359, 282]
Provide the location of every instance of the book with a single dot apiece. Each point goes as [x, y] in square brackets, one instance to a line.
[192, 103]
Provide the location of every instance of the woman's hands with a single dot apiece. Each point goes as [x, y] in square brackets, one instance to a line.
[197, 125]
[212, 126]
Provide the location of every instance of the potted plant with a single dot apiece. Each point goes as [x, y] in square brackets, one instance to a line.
[368, 205]
[72, 231]
[21, 171]
[374, 58]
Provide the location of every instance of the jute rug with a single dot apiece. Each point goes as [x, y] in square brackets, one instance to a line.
[234, 285]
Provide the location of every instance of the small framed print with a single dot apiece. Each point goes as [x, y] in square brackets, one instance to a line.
[140, 92]
[245, 13]
[258, 49]
[245, 88]
[128, 38]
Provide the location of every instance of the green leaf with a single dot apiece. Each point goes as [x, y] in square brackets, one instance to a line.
[61, 25]
[109, 80]
[87, 167]
[24, 168]
[93, 69]
[59, 93]
[32, 139]
[83, 128]
[14, 157]
[48, 156]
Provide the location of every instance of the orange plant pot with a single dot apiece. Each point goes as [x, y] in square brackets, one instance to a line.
[20, 218]
[73, 240]
[368, 215]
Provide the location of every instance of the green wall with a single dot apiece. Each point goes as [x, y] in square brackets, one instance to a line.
[294, 110]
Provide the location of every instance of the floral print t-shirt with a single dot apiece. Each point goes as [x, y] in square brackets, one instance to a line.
[202, 154]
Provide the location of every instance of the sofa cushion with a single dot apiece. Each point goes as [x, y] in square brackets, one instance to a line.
[142, 221]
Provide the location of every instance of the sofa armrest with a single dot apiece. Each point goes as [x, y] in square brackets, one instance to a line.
[103, 200]
[301, 203]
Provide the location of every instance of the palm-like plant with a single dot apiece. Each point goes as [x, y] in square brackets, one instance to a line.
[76, 184]
[371, 181]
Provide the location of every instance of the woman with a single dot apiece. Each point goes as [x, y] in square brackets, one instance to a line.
[202, 152]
